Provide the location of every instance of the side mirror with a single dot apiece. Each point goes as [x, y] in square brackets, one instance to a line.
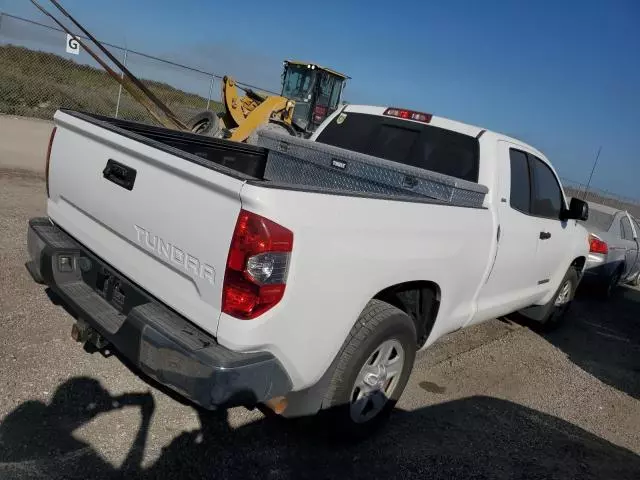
[578, 210]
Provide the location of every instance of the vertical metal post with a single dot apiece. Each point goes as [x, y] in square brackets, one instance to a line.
[120, 88]
[213, 79]
[595, 163]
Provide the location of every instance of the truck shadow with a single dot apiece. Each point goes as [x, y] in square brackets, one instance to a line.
[603, 338]
[475, 437]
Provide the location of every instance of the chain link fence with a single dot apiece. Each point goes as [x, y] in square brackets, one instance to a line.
[603, 197]
[38, 76]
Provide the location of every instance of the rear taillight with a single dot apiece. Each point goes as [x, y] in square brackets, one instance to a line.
[597, 246]
[408, 115]
[257, 266]
[46, 165]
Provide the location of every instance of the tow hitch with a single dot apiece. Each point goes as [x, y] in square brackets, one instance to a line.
[92, 340]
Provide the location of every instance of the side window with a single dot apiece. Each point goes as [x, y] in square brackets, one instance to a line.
[625, 228]
[329, 91]
[335, 95]
[520, 181]
[547, 198]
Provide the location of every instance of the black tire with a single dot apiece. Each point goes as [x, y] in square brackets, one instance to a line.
[556, 314]
[204, 123]
[272, 126]
[609, 288]
[378, 324]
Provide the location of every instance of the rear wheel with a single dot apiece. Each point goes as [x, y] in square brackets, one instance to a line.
[372, 370]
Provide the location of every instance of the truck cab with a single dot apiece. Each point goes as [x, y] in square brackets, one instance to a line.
[528, 206]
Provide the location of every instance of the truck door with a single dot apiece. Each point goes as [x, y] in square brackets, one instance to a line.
[553, 235]
[511, 284]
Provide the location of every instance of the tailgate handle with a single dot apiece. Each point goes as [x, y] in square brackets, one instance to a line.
[119, 174]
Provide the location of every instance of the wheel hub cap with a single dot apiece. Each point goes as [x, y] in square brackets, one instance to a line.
[377, 380]
[563, 296]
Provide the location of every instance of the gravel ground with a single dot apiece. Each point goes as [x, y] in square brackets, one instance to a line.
[493, 401]
[23, 142]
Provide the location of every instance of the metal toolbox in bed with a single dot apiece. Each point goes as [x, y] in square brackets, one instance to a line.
[298, 161]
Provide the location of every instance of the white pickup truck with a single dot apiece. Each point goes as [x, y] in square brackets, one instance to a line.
[301, 274]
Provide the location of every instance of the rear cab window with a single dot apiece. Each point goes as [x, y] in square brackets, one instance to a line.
[406, 142]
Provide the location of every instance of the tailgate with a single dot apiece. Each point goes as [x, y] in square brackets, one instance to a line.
[160, 220]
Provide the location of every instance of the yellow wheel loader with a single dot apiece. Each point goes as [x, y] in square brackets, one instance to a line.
[310, 93]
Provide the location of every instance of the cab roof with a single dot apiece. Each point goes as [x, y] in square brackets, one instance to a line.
[319, 67]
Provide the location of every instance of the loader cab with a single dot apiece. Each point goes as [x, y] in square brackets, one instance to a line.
[317, 92]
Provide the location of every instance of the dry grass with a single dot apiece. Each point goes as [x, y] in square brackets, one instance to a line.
[36, 84]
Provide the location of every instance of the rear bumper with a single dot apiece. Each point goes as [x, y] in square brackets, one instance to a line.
[163, 344]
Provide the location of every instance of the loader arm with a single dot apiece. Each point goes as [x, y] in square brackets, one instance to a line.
[247, 112]
[260, 115]
[238, 108]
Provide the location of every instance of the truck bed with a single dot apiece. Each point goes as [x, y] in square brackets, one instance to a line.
[282, 161]
[239, 160]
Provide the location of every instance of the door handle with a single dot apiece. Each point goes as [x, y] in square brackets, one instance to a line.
[120, 174]
[545, 235]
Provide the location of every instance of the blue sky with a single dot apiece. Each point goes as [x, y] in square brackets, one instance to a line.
[564, 75]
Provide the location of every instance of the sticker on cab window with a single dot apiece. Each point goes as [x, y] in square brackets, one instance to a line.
[341, 118]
